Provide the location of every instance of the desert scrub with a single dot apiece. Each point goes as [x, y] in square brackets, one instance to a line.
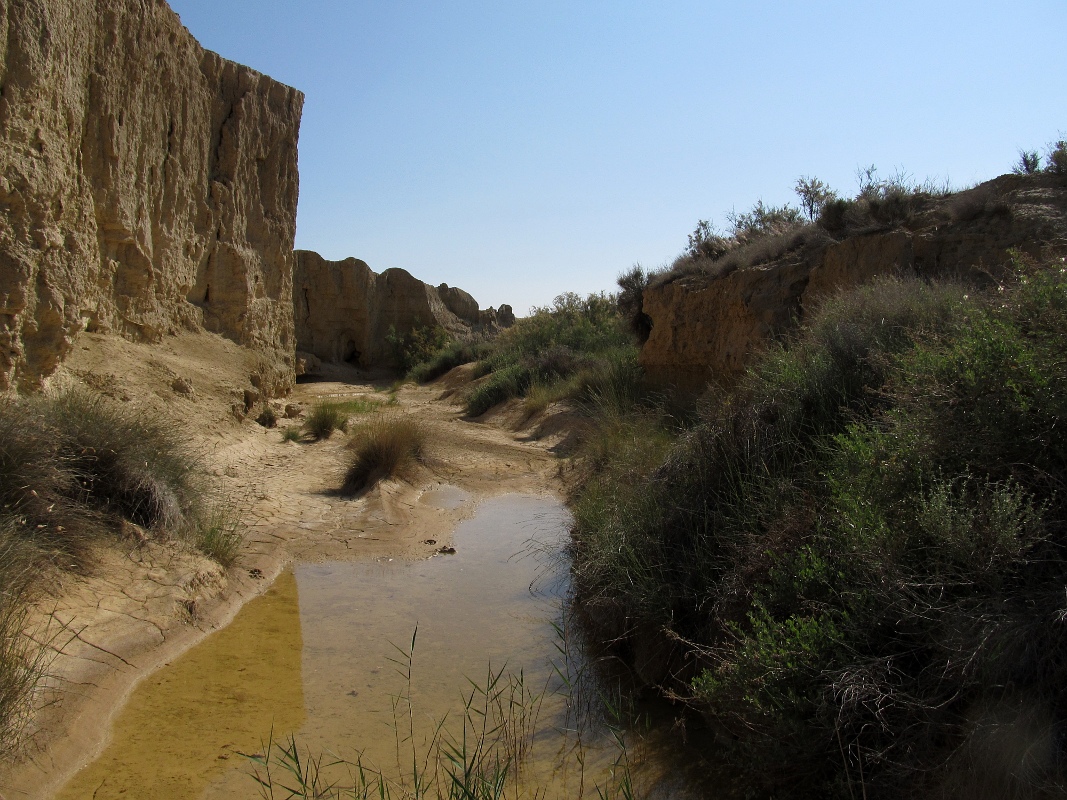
[331, 415]
[561, 348]
[385, 446]
[418, 345]
[858, 542]
[451, 354]
[72, 465]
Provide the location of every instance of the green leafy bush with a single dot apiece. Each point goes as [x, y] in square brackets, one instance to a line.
[856, 541]
[452, 354]
[566, 344]
[416, 346]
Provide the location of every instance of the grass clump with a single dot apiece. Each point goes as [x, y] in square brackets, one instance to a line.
[385, 446]
[861, 545]
[75, 469]
[221, 535]
[330, 415]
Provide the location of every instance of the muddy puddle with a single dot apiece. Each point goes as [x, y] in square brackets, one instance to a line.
[323, 655]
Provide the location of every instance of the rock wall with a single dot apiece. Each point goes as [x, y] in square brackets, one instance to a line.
[709, 328]
[146, 185]
[344, 310]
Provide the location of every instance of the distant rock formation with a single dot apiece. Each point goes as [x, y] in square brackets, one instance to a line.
[344, 311]
[706, 327]
[146, 185]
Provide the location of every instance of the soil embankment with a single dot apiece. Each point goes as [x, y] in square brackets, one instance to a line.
[146, 602]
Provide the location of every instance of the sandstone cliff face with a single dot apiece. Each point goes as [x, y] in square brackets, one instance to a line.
[146, 185]
[709, 328]
[344, 310]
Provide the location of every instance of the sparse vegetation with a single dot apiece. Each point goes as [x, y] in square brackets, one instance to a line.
[1029, 163]
[293, 433]
[766, 233]
[575, 349]
[268, 417]
[75, 469]
[481, 753]
[862, 545]
[1056, 160]
[385, 446]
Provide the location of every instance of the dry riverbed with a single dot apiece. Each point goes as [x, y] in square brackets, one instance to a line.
[147, 602]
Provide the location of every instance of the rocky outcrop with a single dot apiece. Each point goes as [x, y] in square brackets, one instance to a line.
[146, 185]
[708, 328]
[459, 303]
[344, 311]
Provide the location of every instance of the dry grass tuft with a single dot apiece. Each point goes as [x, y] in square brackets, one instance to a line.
[383, 447]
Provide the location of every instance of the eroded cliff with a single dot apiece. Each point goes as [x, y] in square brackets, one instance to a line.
[708, 327]
[146, 185]
[344, 311]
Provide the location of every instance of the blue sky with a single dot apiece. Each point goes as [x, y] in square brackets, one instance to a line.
[519, 150]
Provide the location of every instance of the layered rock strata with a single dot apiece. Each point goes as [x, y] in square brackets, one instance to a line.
[146, 185]
[344, 311]
[709, 328]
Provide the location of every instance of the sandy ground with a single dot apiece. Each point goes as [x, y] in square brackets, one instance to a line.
[147, 602]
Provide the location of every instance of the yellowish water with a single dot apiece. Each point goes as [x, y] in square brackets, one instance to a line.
[186, 724]
[321, 656]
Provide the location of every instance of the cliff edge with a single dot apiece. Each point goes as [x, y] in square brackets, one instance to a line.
[146, 185]
[708, 327]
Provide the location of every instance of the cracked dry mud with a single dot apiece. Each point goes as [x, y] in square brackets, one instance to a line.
[145, 603]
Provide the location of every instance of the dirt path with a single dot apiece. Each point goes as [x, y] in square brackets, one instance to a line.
[146, 603]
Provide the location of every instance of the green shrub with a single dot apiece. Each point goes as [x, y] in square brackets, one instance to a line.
[630, 300]
[503, 384]
[855, 538]
[416, 346]
[292, 434]
[1056, 160]
[1029, 163]
[383, 447]
[453, 354]
[574, 337]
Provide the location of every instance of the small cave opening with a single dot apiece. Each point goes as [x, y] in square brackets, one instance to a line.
[207, 294]
[350, 354]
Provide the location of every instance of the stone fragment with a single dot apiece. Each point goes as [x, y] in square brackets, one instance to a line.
[182, 386]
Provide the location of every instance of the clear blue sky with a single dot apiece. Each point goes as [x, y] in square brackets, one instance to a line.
[519, 150]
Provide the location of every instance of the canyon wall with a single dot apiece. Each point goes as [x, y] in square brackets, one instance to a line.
[708, 328]
[146, 185]
[344, 311]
